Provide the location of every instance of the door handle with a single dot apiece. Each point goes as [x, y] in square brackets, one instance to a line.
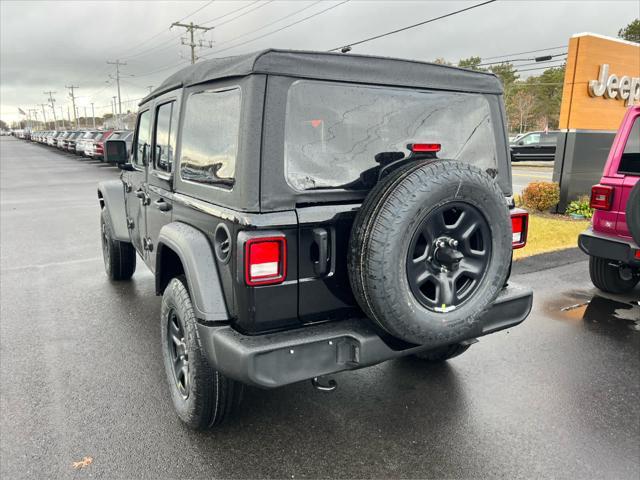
[321, 239]
[162, 205]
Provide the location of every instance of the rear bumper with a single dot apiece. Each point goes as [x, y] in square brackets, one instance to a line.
[612, 248]
[276, 359]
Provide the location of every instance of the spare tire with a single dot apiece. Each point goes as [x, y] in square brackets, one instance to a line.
[633, 213]
[430, 250]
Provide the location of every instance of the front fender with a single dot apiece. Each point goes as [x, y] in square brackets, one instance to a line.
[111, 197]
[198, 261]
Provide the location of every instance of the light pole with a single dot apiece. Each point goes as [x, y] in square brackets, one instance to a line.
[93, 116]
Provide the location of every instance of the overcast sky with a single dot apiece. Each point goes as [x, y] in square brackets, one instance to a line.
[46, 45]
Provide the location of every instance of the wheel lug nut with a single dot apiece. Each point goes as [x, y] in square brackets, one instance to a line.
[453, 243]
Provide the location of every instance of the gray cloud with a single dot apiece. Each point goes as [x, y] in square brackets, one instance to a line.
[47, 45]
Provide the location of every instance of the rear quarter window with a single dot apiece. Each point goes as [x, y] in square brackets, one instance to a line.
[210, 136]
[334, 131]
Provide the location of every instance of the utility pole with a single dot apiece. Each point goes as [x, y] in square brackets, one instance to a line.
[44, 117]
[62, 118]
[93, 116]
[73, 100]
[53, 108]
[68, 115]
[115, 115]
[191, 28]
[117, 63]
[86, 120]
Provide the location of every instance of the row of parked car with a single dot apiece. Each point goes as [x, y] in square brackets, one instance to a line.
[88, 143]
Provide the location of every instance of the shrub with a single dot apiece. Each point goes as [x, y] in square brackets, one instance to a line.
[517, 200]
[580, 207]
[541, 196]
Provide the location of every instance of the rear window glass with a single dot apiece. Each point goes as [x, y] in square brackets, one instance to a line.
[334, 131]
[210, 137]
[630, 161]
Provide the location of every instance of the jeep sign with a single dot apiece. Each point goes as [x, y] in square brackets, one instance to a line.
[611, 86]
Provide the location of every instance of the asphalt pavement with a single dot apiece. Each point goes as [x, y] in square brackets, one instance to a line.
[524, 173]
[82, 375]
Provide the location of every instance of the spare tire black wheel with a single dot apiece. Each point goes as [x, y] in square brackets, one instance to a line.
[633, 213]
[430, 250]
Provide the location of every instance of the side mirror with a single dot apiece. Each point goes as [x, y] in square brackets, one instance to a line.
[521, 142]
[115, 151]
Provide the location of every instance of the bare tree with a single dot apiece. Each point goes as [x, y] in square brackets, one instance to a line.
[522, 103]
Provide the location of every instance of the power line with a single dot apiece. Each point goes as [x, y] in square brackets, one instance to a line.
[538, 63]
[523, 53]
[450, 14]
[164, 31]
[234, 11]
[511, 60]
[279, 29]
[269, 24]
[166, 43]
[546, 67]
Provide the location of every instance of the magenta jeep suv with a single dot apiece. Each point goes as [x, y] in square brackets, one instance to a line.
[612, 242]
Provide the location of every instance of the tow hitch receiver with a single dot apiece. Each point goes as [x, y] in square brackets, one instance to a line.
[329, 387]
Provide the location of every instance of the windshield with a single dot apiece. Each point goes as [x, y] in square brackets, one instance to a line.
[334, 131]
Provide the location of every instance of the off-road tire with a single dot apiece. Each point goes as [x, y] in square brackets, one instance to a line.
[383, 229]
[607, 277]
[212, 397]
[633, 213]
[442, 354]
[119, 257]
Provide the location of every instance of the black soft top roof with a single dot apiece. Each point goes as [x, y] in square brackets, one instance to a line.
[334, 66]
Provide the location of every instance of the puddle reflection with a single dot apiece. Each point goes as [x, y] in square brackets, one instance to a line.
[597, 311]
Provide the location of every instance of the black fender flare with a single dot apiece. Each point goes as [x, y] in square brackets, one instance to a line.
[111, 197]
[199, 264]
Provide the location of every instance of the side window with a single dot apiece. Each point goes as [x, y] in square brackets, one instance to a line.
[531, 139]
[210, 132]
[166, 130]
[630, 161]
[143, 140]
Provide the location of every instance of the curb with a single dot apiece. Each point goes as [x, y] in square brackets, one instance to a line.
[517, 165]
[545, 261]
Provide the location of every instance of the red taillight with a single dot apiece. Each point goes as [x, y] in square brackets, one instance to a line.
[637, 254]
[519, 227]
[601, 197]
[265, 260]
[424, 147]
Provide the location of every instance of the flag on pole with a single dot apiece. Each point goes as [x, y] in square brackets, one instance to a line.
[21, 111]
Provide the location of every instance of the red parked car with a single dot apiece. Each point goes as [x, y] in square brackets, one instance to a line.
[612, 241]
[95, 147]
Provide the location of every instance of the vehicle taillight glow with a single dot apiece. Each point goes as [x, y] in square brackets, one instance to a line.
[265, 260]
[424, 147]
[519, 227]
[601, 197]
[637, 254]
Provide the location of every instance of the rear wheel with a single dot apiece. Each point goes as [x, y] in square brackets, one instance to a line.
[610, 277]
[119, 257]
[202, 396]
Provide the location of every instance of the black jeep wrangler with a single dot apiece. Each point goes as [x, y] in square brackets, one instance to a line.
[306, 213]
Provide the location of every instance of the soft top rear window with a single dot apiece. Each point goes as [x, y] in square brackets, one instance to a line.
[334, 131]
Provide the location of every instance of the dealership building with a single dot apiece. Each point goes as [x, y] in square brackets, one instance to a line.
[602, 79]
